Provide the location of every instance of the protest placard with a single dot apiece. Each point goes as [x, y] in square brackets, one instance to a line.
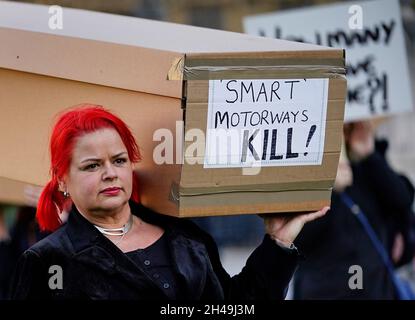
[270, 122]
[372, 34]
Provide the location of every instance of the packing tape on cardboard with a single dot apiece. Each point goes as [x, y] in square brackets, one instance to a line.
[177, 192]
[271, 68]
[254, 203]
[263, 72]
[176, 70]
[176, 197]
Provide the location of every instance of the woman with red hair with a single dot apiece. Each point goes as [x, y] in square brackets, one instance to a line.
[112, 247]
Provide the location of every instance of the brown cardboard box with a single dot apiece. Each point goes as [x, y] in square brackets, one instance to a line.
[153, 74]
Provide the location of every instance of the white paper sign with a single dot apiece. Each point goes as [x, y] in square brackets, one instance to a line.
[278, 122]
[371, 32]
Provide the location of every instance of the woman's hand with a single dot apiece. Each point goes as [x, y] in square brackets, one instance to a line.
[284, 228]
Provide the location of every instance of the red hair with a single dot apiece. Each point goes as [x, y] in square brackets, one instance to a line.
[79, 120]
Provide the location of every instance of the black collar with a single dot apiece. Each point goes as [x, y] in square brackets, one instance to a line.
[83, 234]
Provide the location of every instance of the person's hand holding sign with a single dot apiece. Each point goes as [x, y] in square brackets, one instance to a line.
[284, 228]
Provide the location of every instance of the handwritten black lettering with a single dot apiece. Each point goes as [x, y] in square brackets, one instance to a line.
[262, 91]
[222, 118]
[292, 86]
[233, 90]
[247, 90]
[305, 116]
[274, 90]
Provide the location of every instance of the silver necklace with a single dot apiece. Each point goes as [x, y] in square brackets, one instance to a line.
[117, 231]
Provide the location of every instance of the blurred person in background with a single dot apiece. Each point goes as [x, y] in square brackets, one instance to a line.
[15, 239]
[338, 243]
[233, 231]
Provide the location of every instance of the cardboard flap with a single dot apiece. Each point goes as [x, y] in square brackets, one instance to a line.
[95, 62]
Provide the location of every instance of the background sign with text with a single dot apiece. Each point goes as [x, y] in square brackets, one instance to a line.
[371, 32]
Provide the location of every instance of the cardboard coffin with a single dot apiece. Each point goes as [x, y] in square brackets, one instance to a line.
[158, 77]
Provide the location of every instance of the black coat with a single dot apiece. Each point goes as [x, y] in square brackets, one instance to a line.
[94, 268]
[333, 244]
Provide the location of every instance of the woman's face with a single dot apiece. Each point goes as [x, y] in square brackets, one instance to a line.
[99, 180]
